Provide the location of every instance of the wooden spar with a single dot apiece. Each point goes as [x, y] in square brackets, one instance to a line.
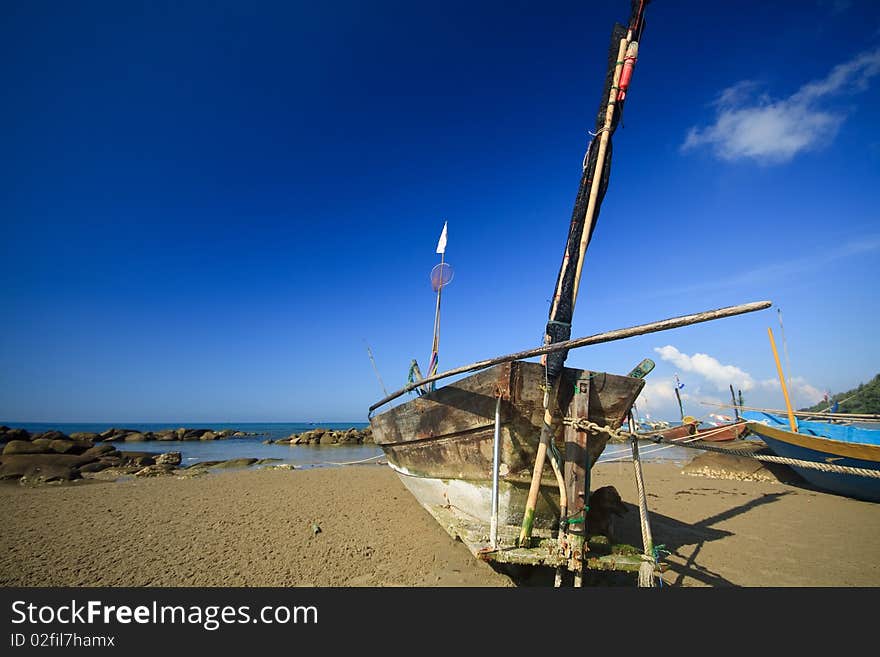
[791, 419]
[599, 338]
[855, 417]
[733, 399]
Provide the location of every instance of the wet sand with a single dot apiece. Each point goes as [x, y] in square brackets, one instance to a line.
[256, 528]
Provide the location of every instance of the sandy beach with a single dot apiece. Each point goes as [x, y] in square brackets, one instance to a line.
[257, 528]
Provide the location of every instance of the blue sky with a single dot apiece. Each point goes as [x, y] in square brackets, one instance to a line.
[208, 211]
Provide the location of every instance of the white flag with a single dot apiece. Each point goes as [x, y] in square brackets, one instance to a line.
[441, 245]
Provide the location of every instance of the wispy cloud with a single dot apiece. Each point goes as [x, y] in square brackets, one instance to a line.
[780, 271]
[836, 6]
[755, 126]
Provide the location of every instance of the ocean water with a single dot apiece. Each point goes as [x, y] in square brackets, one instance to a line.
[194, 451]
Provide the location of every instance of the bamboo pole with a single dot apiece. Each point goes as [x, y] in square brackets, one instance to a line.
[599, 338]
[791, 419]
[547, 427]
[600, 167]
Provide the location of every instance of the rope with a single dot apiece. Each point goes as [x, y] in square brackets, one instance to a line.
[587, 425]
[372, 458]
[646, 568]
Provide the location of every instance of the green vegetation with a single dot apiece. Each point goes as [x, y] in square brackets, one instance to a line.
[864, 399]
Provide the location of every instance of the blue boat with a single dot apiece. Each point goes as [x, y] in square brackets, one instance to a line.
[824, 442]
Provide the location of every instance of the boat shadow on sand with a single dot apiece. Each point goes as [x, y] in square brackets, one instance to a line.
[684, 541]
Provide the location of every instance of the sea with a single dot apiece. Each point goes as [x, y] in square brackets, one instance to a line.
[305, 456]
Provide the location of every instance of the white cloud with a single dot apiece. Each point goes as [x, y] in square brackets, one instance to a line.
[721, 376]
[658, 395]
[801, 392]
[774, 131]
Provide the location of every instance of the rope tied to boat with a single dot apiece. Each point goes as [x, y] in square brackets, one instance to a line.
[586, 425]
[583, 424]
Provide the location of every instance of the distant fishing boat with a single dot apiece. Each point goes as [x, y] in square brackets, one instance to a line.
[824, 442]
[684, 430]
[723, 432]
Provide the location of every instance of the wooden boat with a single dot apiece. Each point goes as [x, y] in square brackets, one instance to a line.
[680, 432]
[441, 444]
[722, 432]
[474, 451]
[824, 442]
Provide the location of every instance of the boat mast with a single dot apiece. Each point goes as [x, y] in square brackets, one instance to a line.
[594, 182]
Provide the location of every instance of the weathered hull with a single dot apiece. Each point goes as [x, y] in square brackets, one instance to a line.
[441, 444]
[722, 433]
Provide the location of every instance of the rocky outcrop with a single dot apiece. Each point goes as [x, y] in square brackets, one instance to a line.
[53, 457]
[23, 447]
[739, 468]
[329, 437]
[169, 458]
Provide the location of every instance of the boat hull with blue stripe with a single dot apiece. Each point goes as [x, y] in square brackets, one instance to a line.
[824, 442]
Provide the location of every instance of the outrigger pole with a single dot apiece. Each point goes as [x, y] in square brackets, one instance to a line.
[576, 343]
[594, 183]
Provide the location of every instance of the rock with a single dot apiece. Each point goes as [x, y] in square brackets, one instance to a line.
[367, 435]
[135, 437]
[235, 463]
[208, 435]
[115, 434]
[48, 474]
[194, 434]
[25, 447]
[727, 466]
[166, 434]
[94, 466]
[40, 468]
[71, 446]
[112, 473]
[328, 438]
[265, 461]
[281, 466]
[62, 446]
[156, 470]
[239, 434]
[98, 451]
[85, 435]
[138, 458]
[226, 433]
[50, 436]
[203, 465]
[168, 458]
[7, 434]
